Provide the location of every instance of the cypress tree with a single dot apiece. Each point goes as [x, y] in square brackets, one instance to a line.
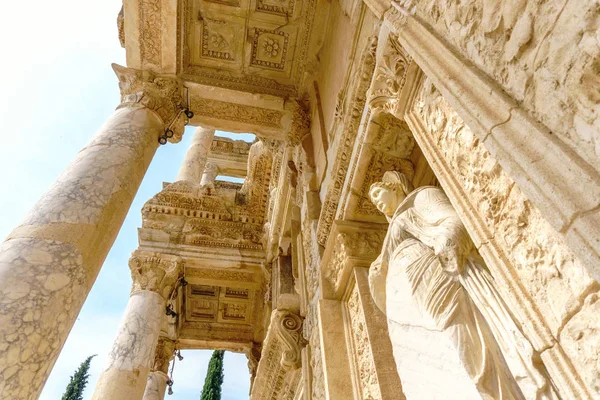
[78, 381]
[214, 377]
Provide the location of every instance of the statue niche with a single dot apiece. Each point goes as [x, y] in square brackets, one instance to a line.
[433, 286]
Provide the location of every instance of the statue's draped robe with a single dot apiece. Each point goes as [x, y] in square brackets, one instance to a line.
[452, 295]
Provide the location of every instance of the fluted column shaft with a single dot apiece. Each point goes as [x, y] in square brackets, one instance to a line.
[49, 263]
[193, 165]
[156, 385]
[132, 355]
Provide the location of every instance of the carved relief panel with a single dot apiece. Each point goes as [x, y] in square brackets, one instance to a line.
[251, 45]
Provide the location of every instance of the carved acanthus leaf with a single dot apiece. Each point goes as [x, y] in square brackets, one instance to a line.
[350, 248]
[390, 76]
[161, 94]
[155, 272]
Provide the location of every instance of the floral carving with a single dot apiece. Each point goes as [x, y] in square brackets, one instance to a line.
[390, 76]
[271, 47]
[150, 31]
[361, 345]
[272, 51]
[217, 37]
[236, 112]
[162, 94]
[155, 272]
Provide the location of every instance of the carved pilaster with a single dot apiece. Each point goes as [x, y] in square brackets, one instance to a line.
[253, 355]
[163, 355]
[162, 94]
[155, 272]
[300, 122]
[351, 120]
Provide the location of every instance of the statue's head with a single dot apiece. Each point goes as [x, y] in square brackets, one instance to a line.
[390, 192]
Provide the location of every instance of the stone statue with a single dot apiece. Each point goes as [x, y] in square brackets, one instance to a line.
[428, 257]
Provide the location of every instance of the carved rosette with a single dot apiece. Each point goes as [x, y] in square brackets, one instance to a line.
[161, 94]
[155, 272]
[289, 330]
[163, 354]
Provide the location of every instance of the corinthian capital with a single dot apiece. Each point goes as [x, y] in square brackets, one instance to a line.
[155, 272]
[162, 94]
[390, 75]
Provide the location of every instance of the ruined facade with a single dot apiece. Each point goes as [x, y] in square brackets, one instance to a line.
[494, 106]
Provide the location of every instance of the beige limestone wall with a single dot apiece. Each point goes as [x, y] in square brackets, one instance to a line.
[546, 55]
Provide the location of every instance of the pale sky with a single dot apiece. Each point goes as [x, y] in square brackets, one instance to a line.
[57, 89]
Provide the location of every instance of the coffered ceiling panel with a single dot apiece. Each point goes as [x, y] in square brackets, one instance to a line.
[258, 46]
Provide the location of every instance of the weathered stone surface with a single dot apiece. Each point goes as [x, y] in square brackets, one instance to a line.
[545, 55]
[52, 259]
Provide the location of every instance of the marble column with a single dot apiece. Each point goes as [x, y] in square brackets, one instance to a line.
[193, 165]
[154, 278]
[210, 174]
[156, 385]
[49, 263]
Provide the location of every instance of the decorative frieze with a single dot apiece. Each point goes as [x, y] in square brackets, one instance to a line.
[150, 33]
[355, 105]
[234, 112]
